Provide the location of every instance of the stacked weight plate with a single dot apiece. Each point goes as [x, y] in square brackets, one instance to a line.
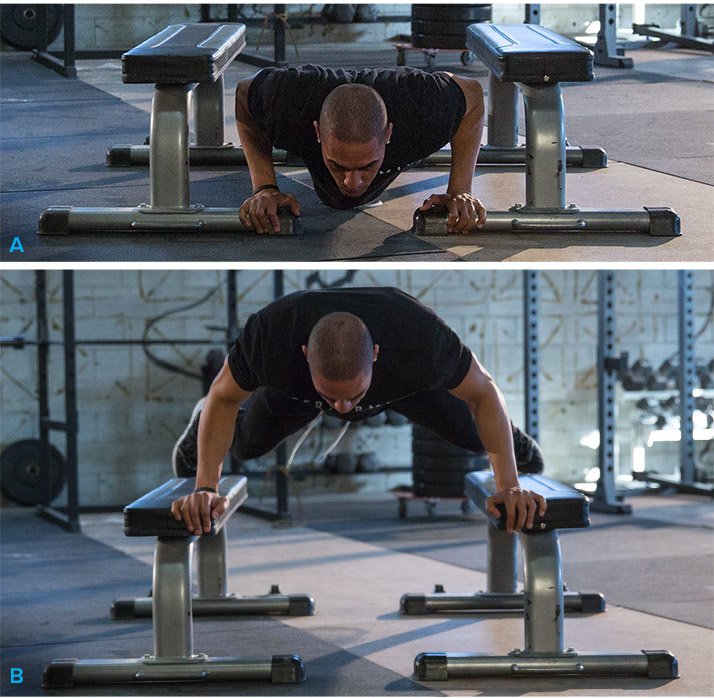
[439, 467]
[444, 26]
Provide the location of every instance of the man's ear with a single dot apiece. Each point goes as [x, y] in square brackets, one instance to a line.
[390, 128]
[317, 130]
[304, 350]
[375, 351]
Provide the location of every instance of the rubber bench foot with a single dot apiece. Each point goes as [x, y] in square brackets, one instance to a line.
[664, 222]
[287, 668]
[58, 674]
[301, 605]
[592, 602]
[119, 156]
[54, 221]
[661, 664]
[431, 666]
[413, 605]
[594, 158]
[123, 609]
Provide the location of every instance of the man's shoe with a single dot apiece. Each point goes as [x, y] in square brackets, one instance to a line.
[529, 457]
[184, 457]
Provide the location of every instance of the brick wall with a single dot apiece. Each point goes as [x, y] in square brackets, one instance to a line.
[131, 410]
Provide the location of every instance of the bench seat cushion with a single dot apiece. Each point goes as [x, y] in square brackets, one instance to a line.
[184, 53]
[567, 508]
[150, 515]
[530, 54]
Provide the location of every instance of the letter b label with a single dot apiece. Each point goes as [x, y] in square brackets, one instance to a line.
[16, 675]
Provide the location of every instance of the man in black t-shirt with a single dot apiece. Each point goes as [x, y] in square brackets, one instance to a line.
[350, 353]
[356, 131]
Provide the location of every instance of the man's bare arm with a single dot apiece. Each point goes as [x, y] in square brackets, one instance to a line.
[216, 428]
[259, 210]
[479, 391]
[465, 210]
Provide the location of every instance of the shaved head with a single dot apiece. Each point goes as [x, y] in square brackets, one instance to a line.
[354, 113]
[340, 347]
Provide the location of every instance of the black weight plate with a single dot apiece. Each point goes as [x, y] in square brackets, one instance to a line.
[438, 448]
[433, 490]
[19, 25]
[420, 432]
[467, 463]
[21, 479]
[421, 26]
[450, 13]
[434, 41]
[439, 478]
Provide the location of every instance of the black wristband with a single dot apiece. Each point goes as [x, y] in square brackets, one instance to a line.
[205, 489]
[263, 187]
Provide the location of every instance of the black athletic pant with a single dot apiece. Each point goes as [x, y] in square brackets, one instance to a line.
[269, 416]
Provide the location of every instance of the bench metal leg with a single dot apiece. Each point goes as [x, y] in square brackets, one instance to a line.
[169, 148]
[502, 582]
[170, 210]
[503, 101]
[545, 210]
[173, 658]
[209, 114]
[543, 653]
[213, 598]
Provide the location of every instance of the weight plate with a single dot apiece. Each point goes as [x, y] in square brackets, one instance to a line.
[438, 448]
[440, 41]
[464, 463]
[433, 490]
[422, 26]
[19, 25]
[446, 13]
[21, 477]
[439, 478]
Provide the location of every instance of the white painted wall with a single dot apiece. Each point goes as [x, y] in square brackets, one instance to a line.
[131, 411]
[121, 26]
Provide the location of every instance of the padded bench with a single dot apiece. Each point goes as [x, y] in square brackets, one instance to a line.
[148, 514]
[502, 563]
[530, 60]
[544, 652]
[181, 59]
[173, 658]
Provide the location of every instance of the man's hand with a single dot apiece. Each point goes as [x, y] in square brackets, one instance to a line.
[521, 507]
[466, 212]
[260, 211]
[198, 509]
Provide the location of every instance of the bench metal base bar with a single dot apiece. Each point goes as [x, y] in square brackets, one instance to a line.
[436, 666]
[65, 220]
[423, 604]
[656, 222]
[65, 673]
[229, 155]
[270, 604]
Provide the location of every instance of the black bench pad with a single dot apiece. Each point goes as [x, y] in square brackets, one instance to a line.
[150, 515]
[530, 54]
[184, 53]
[567, 508]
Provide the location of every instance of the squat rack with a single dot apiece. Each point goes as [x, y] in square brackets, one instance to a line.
[68, 517]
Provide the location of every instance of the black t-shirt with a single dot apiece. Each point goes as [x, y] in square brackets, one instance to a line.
[417, 350]
[426, 110]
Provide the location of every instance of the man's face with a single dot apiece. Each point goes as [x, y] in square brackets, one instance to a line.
[353, 166]
[342, 396]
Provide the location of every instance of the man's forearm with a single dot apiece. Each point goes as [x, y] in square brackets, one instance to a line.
[494, 427]
[466, 142]
[215, 436]
[258, 155]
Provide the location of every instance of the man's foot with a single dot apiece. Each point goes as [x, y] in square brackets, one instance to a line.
[529, 457]
[184, 457]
